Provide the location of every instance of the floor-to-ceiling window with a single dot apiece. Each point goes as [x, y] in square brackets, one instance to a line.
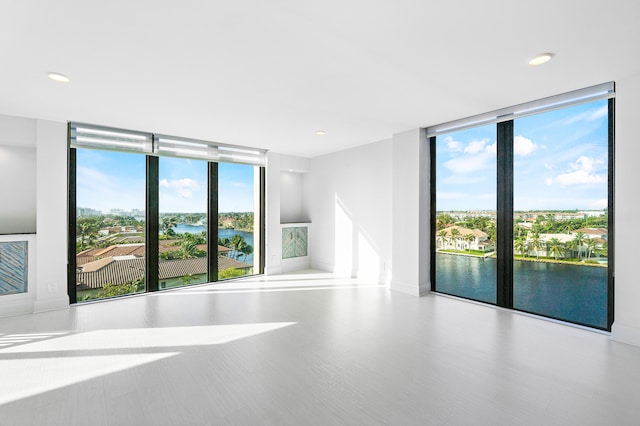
[560, 198]
[238, 219]
[110, 224]
[466, 213]
[144, 212]
[535, 185]
[183, 248]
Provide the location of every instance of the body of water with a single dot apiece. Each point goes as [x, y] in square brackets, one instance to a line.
[222, 233]
[569, 292]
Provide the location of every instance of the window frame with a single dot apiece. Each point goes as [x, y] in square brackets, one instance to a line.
[152, 221]
[505, 191]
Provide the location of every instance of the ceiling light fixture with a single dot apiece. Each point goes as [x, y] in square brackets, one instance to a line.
[60, 78]
[540, 59]
[321, 132]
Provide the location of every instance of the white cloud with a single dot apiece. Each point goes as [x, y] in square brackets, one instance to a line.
[523, 146]
[590, 115]
[492, 149]
[469, 164]
[183, 188]
[475, 146]
[578, 177]
[548, 166]
[587, 164]
[582, 171]
[453, 145]
[599, 113]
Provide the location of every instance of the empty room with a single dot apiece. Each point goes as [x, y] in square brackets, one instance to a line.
[318, 213]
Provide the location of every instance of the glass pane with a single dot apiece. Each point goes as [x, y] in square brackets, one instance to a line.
[560, 214]
[110, 250]
[182, 222]
[466, 213]
[238, 228]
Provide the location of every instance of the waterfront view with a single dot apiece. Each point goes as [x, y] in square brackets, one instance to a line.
[559, 208]
[110, 223]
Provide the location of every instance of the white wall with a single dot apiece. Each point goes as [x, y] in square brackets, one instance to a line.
[350, 205]
[48, 260]
[286, 203]
[626, 327]
[410, 213]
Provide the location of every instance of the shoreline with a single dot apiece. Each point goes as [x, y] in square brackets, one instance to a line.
[529, 259]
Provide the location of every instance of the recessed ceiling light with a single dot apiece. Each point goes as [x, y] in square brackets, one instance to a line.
[540, 59]
[321, 132]
[60, 78]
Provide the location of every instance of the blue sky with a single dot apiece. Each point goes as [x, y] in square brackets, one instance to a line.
[109, 180]
[560, 162]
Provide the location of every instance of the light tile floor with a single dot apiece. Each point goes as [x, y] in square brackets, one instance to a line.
[307, 349]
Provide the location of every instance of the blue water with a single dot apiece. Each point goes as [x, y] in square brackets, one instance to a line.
[568, 292]
[222, 233]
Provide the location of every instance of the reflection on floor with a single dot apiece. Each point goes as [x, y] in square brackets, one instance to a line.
[307, 348]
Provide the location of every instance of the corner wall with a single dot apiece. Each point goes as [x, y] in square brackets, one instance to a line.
[626, 326]
[350, 205]
[47, 288]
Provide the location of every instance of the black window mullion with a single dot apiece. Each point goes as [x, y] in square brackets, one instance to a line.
[212, 222]
[432, 202]
[152, 224]
[72, 223]
[261, 231]
[504, 216]
[610, 217]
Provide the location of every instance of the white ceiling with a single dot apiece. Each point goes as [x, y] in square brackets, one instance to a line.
[269, 74]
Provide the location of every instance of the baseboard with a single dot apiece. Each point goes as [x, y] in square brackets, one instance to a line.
[16, 307]
[51, 304]
[412, 289]
[322, 266]
[625, 334]
[273, 270]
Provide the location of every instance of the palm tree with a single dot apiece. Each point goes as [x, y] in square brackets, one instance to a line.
[167, 225]
[468, 238]
[188, 249]
[454, 235]
[521, 246]
[555, 247]
[579, 239]
[591, 245]
[442, 236]
[237, 244]
[246, 251]
[536, 244]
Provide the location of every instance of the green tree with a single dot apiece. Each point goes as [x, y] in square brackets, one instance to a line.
[591, 246]
[230, 273]
[167, 224]
[454, 236]
[522, 246]
[555, 247]
[237, 244]
[442, 236]
[536, 243]
[246, 251]
[468, 239]
[579, 240]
